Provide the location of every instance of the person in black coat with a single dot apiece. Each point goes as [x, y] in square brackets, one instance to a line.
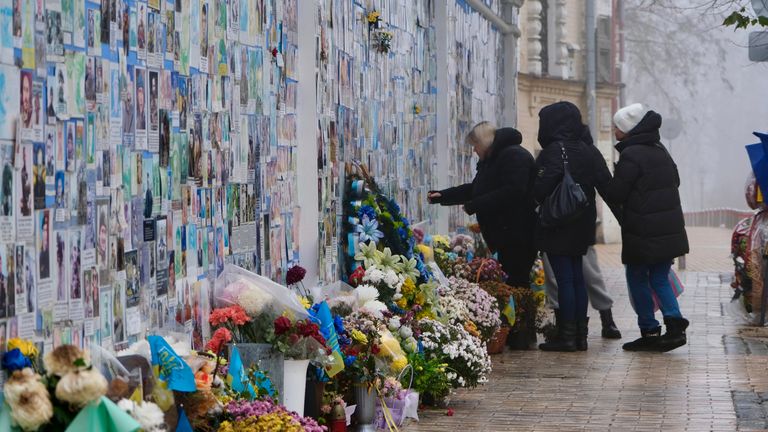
[501, 195]
[561, 136]
[645, 185]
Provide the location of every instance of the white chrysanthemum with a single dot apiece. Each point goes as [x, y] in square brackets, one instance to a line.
[393, 324]
[254, 301]
[366, 293]
[375, 308]
[373, 275]
[391, 279]
[406, 332]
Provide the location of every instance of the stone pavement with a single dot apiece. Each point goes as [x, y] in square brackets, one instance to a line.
[716, 383]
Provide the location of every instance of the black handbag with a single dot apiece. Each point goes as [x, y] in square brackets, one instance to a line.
[566, 203]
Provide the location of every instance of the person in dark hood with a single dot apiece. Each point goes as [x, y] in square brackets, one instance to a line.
[646, 186]
[501, 195]
[597, 293]
[562, 136]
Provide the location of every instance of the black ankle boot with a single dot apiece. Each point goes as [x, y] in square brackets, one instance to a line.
[566, 340]
[610, 331]
[675, 335]
[582, 330]
[648, 342]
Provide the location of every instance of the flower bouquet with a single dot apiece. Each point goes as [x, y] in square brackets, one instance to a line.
[468, 363]
[483, 308]
[486, 269]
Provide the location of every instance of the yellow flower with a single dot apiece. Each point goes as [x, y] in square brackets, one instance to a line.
[359, 337]
[471, 328]
[26, 347]
[425, 250]
[420, 298]
[439, 240]
[539, 281]
[373, 17]
[425, 314]
[402, 303]
[399, 364]
[305, 302]
[408, 286]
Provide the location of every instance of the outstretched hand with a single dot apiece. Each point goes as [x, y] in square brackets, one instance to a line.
[433, 196]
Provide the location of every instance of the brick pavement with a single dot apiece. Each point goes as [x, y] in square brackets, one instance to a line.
[716, 383]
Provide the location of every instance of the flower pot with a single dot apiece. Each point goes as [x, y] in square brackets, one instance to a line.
[313, 400]
[521, 340]
[267, 359]
[499, 339]
[295, 385]
[365, 412]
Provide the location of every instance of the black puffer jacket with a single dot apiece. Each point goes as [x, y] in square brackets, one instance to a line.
[560, 124]
[501, 193]
[645, 185]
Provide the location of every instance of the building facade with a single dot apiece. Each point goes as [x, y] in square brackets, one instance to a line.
[552, 68]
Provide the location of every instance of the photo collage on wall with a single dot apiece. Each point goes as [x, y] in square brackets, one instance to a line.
[154, 142]
[374, 107]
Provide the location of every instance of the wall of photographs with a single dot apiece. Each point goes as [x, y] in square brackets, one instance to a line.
[374, 107]
[155, 141]
[475, 68]
[146, 143]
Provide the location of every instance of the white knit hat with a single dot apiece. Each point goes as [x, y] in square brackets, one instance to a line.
[630, 116]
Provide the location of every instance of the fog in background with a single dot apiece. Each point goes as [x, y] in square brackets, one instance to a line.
[683, 63]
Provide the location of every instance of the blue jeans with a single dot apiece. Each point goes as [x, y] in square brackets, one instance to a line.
[641, 279]
[571, 289]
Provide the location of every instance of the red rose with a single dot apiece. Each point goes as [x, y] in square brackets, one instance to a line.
[282, 325]
[293, 339]
[449, 413]
[274, 52]
[375, 349]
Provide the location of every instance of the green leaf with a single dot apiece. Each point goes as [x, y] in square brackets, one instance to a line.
[762, 20]
[80, 362]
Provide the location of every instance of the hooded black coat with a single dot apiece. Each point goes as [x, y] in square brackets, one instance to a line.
[645, 186]
[560, 125]
[501, 193]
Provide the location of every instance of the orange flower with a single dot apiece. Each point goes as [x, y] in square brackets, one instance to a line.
[220, 338]
[203, 380]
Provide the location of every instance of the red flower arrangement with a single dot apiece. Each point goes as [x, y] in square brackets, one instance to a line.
[299, 339]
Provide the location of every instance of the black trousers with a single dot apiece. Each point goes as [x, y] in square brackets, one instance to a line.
[517, 261]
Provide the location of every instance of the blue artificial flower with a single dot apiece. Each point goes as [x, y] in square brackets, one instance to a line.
[421, 347]
[406, 222]
[403, 233]
[349, 360]
[396, 310]
[368, 230]
[393, 207]
[14, 360]
[366, 211]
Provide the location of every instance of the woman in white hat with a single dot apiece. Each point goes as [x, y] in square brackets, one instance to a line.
[645, 185]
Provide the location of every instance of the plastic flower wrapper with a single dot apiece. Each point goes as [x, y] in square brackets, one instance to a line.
[255, 293]
[391, 358]
[301, 340]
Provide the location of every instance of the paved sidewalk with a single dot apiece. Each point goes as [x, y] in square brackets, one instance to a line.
[716, 383]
